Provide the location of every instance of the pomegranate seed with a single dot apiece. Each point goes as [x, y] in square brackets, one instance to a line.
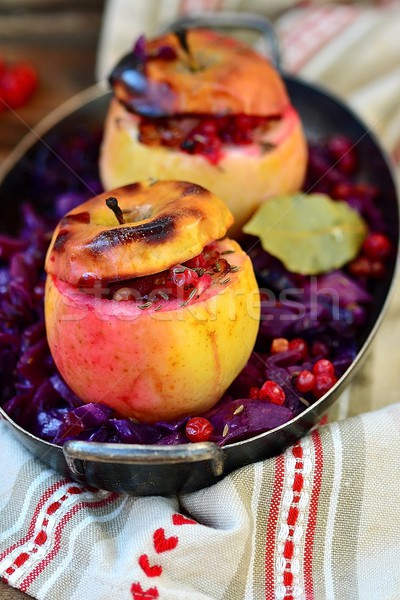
[183, 280]
[198, 429]
[242, 129]
[376, 246]
[254, 393]
[299, 345]
[272, 392]
[305, 381]
[323, 366]
[204, 283]
[323, 383]
[202, 135]
[208, 127]
[198, 262]
[279, 345]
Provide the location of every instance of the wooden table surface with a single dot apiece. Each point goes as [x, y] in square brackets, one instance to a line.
[61, 42]
[59, 37]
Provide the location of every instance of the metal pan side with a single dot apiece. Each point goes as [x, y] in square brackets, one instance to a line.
[323, 116]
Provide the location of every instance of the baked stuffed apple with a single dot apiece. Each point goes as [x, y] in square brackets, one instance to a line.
[202, 107]
[147, 309]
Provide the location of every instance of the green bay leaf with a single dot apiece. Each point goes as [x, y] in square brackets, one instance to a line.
[309, 233]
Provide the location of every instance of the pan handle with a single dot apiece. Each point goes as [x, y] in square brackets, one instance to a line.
[234, 20]
[78, 452]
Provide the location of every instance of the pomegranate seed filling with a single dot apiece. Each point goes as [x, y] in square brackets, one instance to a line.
[204, 134]
[185, 282]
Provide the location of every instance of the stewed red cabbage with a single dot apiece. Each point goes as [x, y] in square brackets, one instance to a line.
[33, 392]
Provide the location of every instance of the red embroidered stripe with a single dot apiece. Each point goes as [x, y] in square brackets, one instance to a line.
[312, 518]
[298, 479]
[293, 515]
[21, 559]
[41, 538]
[313, 29]
[285, 576]
[57, 537]
[271, 533]
[288, 549]
[45, 496]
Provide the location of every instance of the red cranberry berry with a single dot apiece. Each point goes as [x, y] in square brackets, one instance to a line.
[254, 393]
[363, 266]
[279, 345]
[17, 84]
[342, 190]
[376, 246]
[323, 383]
[305, 381]
[324, 366]
[272, 392]
[342, 151]
[360, 267]
[299, 345]
[378, 269]
[318, 348]
[198, 429]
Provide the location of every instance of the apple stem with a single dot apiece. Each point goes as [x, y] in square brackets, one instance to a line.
[181, 35]
[112, 203]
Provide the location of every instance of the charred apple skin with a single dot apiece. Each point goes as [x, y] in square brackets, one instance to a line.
[166, 222]
[155, 365]
[203, 72]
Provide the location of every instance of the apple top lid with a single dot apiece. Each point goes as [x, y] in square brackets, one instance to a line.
[198, 71]
[135, 230]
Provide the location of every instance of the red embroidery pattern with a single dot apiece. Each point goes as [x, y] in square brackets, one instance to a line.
[138, 593]
[41, 536]
[32, 525]
[312, 518]
[311, 31]
[178, 519]
[149, 570]
[44, 532]
[272, 527]
[292, 518]
[161, 544]
[58, 534]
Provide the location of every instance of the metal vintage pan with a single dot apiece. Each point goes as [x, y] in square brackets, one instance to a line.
[157, 470]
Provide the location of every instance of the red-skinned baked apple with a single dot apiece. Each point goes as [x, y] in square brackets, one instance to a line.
[205, 108]
[147, 309]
